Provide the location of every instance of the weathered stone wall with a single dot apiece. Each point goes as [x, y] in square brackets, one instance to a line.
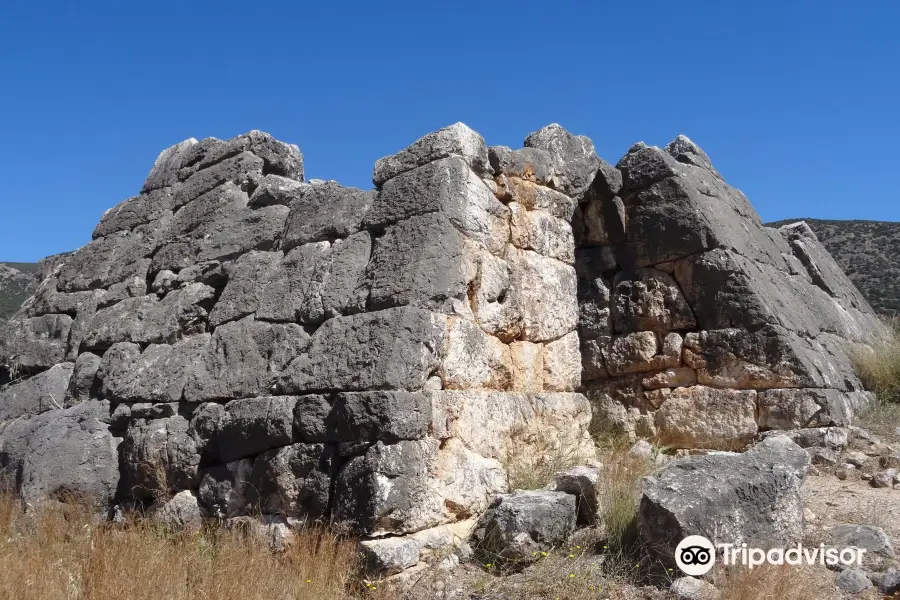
[252, 343]
[257, 344]
[699, 326]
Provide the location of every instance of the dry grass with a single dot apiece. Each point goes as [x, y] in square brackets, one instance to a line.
[619, 490]
[60, 553]
[532, 459]
[879, 370]
[775, 583]
[569, 573]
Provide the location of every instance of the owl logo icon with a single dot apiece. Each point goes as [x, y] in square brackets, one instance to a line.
[695, 555]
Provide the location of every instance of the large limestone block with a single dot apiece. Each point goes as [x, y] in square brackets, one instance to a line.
[530, 164]
[726, 289]
[84, 384]
[345, 290]
[244, 358]
[642, 351]
[159, 456]
[218, 204]
[146, 320]
[385, 416]
[390, 555]
[138, 210]
[669, 378]
[386, 491]
[492, 301]
[36, 343]
[524, 524]
[800, 408]
[324, 212]
[448, 186]
[675, 209]
[314, 281]
[594, 308]
[495, 424]
[250, 229]
[473, 359]
[456, 140]
[703, 417]
[526, 365]
[248, 277]
[422, 261]
[824, 272]
[293, 481]
[206, 422]
[237, 170]
[574, 160]
[542, 232]
[649, 300]
[253, 425]
[112, 259]
[562, 364]
[752, 498]
[40, 393]
[397, 348]
[533, 197]
[159, 373]
[62, 454]
[544, 290]
[410, 486]
[275, 189]
[223, 490]
[684, 150]
[278, 158]
[600, 221]
[737, 358]
[165, 170]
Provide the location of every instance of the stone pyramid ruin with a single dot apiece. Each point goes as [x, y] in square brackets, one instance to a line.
[252, 343]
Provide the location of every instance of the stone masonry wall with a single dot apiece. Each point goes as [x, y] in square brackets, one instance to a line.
[255, 344]
[699, 326]
[251, 343]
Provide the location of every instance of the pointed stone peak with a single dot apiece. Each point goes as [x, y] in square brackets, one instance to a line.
[684, 150]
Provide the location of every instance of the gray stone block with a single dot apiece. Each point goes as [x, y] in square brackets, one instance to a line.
[158, 457]
[325, 212]
[62, 454]
[253, 425]
[397, 348]
[293, 481]
[456, 140]
[40, 393]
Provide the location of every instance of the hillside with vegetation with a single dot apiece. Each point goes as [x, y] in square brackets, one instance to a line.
[17, 282]
[869, 252]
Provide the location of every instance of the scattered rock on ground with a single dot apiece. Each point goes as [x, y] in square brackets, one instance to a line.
[520, 525]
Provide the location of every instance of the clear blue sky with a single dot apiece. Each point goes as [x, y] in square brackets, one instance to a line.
[795, 101]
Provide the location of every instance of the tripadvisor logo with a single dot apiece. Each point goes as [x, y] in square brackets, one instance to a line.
[695, 555]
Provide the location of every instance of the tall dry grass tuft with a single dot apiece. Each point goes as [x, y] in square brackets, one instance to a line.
[532, 460]
[878, 368]
[60, 553]
[770, 582]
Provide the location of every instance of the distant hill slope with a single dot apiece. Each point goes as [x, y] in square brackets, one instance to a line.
[869, 252]
[17, 282]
